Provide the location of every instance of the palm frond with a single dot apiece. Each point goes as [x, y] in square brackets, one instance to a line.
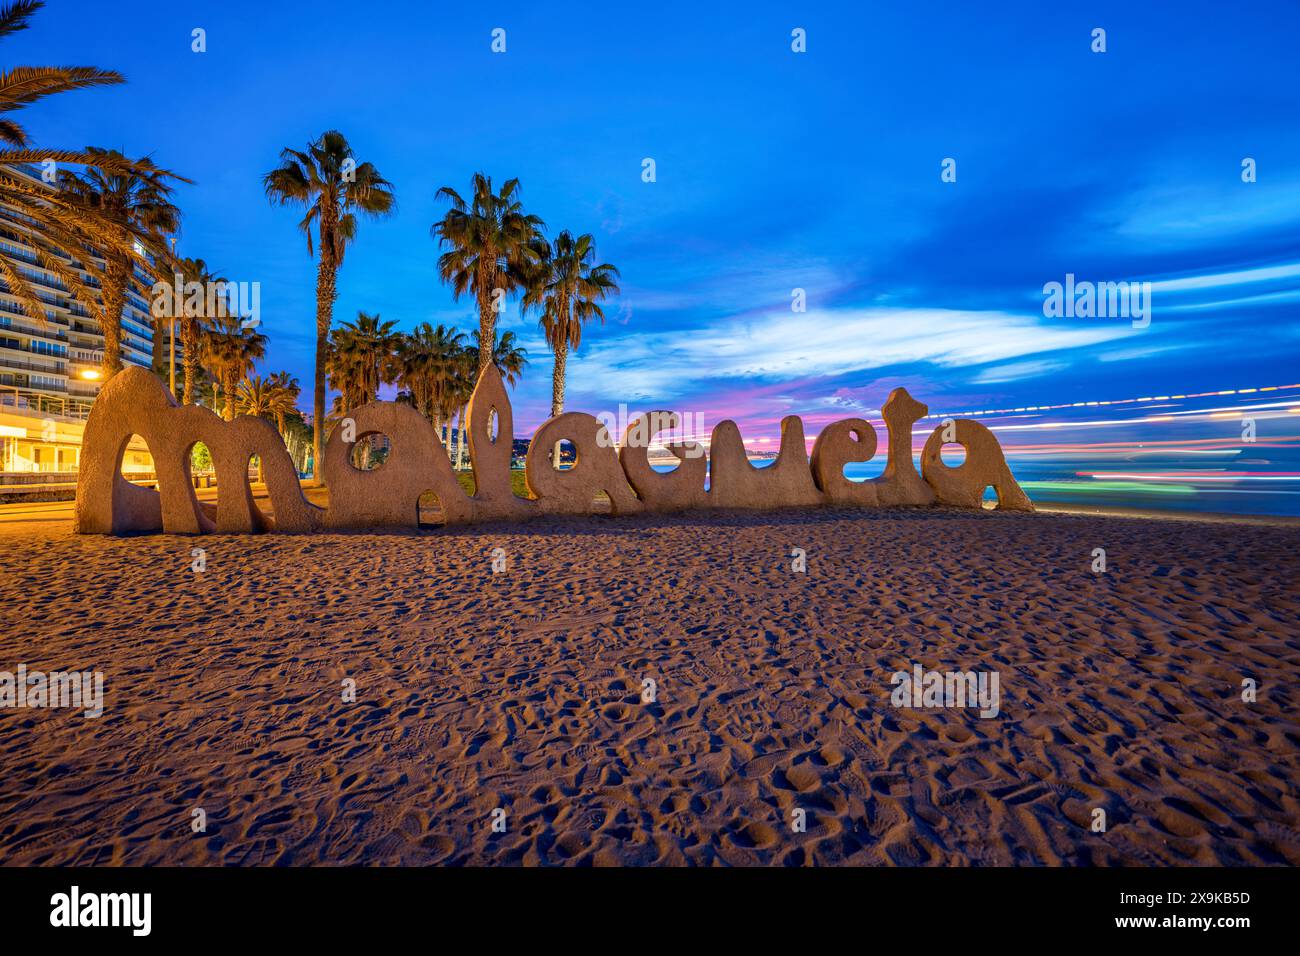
[14, 16]
[23, 85]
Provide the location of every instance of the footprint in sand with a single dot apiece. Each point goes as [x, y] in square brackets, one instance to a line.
[619, 712]
[438, 846]
[802, 778]
[752, 835]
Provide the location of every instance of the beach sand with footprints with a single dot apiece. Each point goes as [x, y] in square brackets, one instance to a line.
[522, 691]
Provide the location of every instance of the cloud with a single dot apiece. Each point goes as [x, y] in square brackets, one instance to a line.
[828, 343]
[1200, 213]
[1138, 352]
[1290, 270]
[1018, 370]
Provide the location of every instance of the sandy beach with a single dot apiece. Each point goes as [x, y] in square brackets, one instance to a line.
[522, 691]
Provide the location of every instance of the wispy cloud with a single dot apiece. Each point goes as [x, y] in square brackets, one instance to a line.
[1214, 280]
[1015, 371]
[830, 343]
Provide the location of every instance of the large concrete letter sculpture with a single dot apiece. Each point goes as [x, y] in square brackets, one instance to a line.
[735, 483]
[984, 466]
[134, 402]
[899, 484]
[681, 488]
[490, 454]
[596, 469]
[837, 445]
[389, 496]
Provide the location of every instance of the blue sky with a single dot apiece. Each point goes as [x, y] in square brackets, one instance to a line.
[775, 170]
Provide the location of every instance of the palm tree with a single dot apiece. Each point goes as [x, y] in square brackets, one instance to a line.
[297, 437]
[285, 401]
[333, 188]
[163, 314]
[492, 245]
[343, 373]
[366, 359]
[264, 398]
[60, 228]
[255, 395]
[508, 356]
[231, 351]
[24, 85]
[192, 329]
[568, 293]
[361, 358]
[426, 361]
[137, 206]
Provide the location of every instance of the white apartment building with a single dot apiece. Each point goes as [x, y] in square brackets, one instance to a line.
[50, 370]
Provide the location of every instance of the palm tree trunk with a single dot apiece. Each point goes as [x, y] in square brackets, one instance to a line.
[326, 292]
[230, 397]
[190, 360]
[159, 361]
[487, 324]
[557, 387]
[117, 273]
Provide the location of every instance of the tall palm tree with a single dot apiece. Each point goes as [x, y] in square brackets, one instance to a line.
[61, 229]
[162, 315]
[192, 328]
[333, 188]
[491, 244]
[137, 205]
[568, 293]
[231, 351]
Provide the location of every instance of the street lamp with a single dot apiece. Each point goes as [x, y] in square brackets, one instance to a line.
[90, 374]
[172, 333]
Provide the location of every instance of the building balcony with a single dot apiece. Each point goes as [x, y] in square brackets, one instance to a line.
[9, 360]
[51, 331]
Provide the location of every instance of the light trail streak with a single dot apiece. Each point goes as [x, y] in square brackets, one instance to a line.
[1193, 475]
[1116, 401]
